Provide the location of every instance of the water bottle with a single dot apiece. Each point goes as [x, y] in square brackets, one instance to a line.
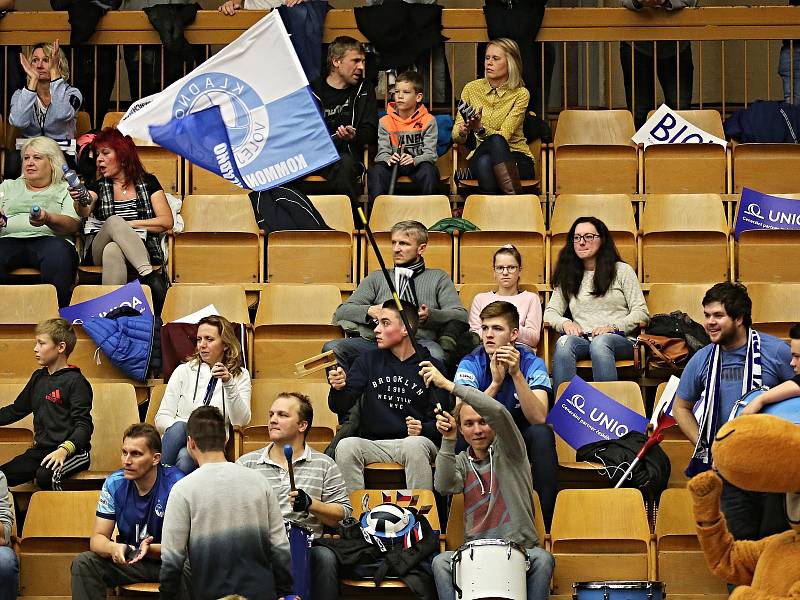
[36, 212]
[75, 184]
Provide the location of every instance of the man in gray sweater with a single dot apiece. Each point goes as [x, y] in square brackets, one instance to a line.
[226, 520]
[495, 478]
[9, 567]
[431, 290]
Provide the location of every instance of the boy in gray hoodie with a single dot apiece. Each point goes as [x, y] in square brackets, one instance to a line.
[494, 476]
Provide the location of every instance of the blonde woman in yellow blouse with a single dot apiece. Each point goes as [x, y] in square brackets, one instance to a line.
[500, 99]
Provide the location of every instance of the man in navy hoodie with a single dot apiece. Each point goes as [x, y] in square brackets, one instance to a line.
[396, 419]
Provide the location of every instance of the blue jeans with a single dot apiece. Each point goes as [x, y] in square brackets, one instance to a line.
[304, 23]
[784, 68]
[9, 573]
[173, 448]
[538, 576]
[348, 349]
[604, 350]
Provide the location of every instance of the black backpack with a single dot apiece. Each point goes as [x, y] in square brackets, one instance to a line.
[678, 324]
[651, 475]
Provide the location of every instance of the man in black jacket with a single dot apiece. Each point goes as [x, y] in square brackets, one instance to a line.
[397, 421]
[348, 105]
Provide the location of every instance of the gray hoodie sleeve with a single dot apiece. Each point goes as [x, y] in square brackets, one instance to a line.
[450, 307]
[356, 307]
[384, 144]
[556, 308]
[430, 137]
[6, 513]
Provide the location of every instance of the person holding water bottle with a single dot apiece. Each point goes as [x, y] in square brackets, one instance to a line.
[38, 222]
[215, 375]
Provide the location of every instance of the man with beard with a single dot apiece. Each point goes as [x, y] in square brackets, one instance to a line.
[739, 359]
[431, 290]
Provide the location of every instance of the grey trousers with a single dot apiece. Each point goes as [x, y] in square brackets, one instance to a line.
[92, 575]
[415, 453]
[115, 246]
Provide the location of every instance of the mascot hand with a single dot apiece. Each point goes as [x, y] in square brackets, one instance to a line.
[706, 489]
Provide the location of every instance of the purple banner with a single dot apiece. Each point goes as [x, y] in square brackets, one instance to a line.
[762, 211]
[131, 295]
[583, 414]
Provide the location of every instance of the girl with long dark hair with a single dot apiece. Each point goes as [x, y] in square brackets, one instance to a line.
[604, 301]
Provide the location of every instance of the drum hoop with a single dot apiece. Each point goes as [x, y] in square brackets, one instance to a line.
[300, 526]
[491, 542]
[617, 585]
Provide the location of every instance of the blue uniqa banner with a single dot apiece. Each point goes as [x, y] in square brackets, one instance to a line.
[131, 295]
[762, 211]
[583, 414]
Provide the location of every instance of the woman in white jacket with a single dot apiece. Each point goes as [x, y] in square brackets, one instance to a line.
[218, 359]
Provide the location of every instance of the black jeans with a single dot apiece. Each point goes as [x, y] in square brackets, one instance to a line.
[28, 467]
[493, 151]
[424, 175]
[54, 256]
[752, 515]
[667, 66]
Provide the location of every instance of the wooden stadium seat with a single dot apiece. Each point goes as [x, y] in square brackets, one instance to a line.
[256, 434]
[316, 256]
[502, 220]
[455, 522]
[594, 153]
[668, 297]
[680, 563]
[688, 168]
[202, 182]
[162, 163]
[84, 354]
[627, 393]
[24, 306]
[57, 527]
[677, 447]
[529, 186]
[756, 252]
[684, 239]
[615, 210]
[83, 123]
[112, 119]
[184, 299]
[774, 307]
[114, 409]
[599, 535]
[156, 396]
[292, 323]
[375, 497]
[17, 437]
[220, 242]
[768, 168]
[388, 210]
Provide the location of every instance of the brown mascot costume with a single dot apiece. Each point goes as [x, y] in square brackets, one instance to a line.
[759, 453]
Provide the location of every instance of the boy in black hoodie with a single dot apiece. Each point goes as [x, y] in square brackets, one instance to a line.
[60, 398]
[397, 421]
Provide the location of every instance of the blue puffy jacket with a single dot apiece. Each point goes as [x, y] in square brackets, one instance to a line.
[126, 338]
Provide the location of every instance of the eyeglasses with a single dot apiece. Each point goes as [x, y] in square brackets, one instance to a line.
[511, 269]
[586, 237]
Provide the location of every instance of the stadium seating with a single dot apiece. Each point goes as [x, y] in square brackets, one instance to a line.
[688, 168]
[677, 447]
[202, 182]
[615, 210]
[255, 435]
[156, 396]
[308, 309]
[599, 535]
[388, 210]
[24, 306]
[57, 527]
[220, 242]
[774, 307]
[316, 256]
[756, 253]
[529, 186]
[17, 437]
[684, 239]
[669, 297]
[680, 563]
[769, 168]
[594, 153]
[502, 220]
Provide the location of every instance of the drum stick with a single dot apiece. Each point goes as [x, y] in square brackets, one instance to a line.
[388, 278]
[393, 179]
[287, 452]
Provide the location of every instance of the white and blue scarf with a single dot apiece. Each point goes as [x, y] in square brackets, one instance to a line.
[709, 401]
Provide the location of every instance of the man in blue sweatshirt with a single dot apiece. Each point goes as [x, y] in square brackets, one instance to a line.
[397, 421]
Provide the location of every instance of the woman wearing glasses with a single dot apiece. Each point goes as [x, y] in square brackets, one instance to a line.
[507, 272]
[603, 298]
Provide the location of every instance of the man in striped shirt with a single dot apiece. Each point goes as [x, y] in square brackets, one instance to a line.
[320, 497]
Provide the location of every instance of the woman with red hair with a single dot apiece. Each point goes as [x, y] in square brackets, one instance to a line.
[127, 216]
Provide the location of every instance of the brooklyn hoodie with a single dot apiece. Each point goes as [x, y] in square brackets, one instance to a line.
[417, 134]
[61, 404]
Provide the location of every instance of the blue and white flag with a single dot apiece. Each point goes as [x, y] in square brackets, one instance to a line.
[763, 211]
[246, 114]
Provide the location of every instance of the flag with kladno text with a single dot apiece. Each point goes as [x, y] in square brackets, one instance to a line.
[246, 114]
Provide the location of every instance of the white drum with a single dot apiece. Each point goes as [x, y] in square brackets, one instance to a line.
[490, 569]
